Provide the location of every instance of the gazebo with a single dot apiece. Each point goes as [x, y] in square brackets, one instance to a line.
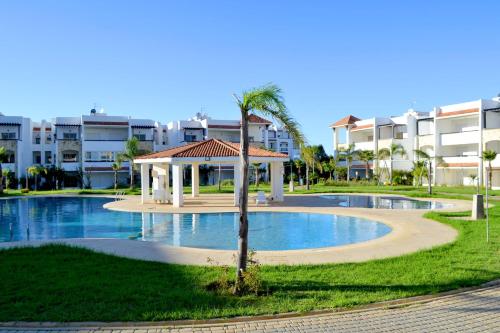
[211, 151]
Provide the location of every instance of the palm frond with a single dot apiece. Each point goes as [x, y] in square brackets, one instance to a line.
[268, 101]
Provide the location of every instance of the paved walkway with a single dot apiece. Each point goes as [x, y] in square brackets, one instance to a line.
[472, 311]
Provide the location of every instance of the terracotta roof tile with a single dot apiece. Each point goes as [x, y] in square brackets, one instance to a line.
[350, 119]
[253, 118]
[211, 148]
[456, 113]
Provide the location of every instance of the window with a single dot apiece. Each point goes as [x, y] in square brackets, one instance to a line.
[48, 157]
[400, 132]
[106, 156]
[70, 156]
[140, 137]
[37, 140]
[8, 136]
[69, 136]
[11, 157]
[189, 138]
[425, 127]
[99, 156]
[37, 157]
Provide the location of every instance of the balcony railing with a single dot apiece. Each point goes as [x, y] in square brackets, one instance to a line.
[460, 159]
[364, 145]
[460, 138]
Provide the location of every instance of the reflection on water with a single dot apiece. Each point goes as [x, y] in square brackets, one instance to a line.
[373, 201]
[51, 218]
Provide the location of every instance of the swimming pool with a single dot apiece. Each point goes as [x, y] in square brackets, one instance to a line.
[84, 217]
[385, 202]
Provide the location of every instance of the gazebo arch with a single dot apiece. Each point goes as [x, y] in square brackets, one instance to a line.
[211, 151]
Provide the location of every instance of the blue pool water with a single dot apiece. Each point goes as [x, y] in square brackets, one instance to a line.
[373, 201]
[76, 217]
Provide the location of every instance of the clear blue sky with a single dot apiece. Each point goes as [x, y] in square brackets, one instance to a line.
[166, 60]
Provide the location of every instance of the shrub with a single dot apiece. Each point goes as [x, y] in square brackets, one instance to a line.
[341, 172]
[402, 177]
[227, 182]
[25, 190]
[331, 182]
[252, 277]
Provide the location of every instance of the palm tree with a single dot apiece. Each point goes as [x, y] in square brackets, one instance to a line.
[131, 152]
[268, 101]
[332, 165]
[419, 171]
[489, 155]
[366, 156]
[299, 164]
[3, 159]
[393, 150]
[422, 155]
[384, 154]
[348, 154]
[256, 167]
[311, 162]
[116, 166]
[326, 168]
[34, 171]
[5, 174]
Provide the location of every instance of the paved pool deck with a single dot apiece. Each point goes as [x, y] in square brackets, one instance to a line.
[410, 232]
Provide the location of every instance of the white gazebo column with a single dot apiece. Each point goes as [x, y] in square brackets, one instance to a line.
[145, 196]
[168, 196]
[160, 173]
[177, 177]
[277, 181]
[237, 184]
[195, 179]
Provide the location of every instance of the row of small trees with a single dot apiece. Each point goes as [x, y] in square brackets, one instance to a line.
[313, 158]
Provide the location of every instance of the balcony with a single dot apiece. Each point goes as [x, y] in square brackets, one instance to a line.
[70, 166]
[461, 161]
[103, 165]
[460, 138]
[365, 145]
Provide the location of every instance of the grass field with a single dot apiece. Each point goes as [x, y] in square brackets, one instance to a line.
[58, 283]
[451, 192]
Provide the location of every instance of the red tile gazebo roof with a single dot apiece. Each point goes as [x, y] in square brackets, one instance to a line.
[349, 120]
[211, 148]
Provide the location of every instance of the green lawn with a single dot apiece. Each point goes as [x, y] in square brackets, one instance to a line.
[60, 283]
[451, 192]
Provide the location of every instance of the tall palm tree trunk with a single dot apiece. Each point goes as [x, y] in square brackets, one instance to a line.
[429, 179]
[257, 177]
[1, 179]
[390, 171]
[131, 175]
[218, 178]
[241, 263]
[490, 175]
[307, 177]
[348, 171]
[116, 179]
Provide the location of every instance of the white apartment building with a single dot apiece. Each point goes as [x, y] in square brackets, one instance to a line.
[456, 133]
[262, 133]
[89, 144]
